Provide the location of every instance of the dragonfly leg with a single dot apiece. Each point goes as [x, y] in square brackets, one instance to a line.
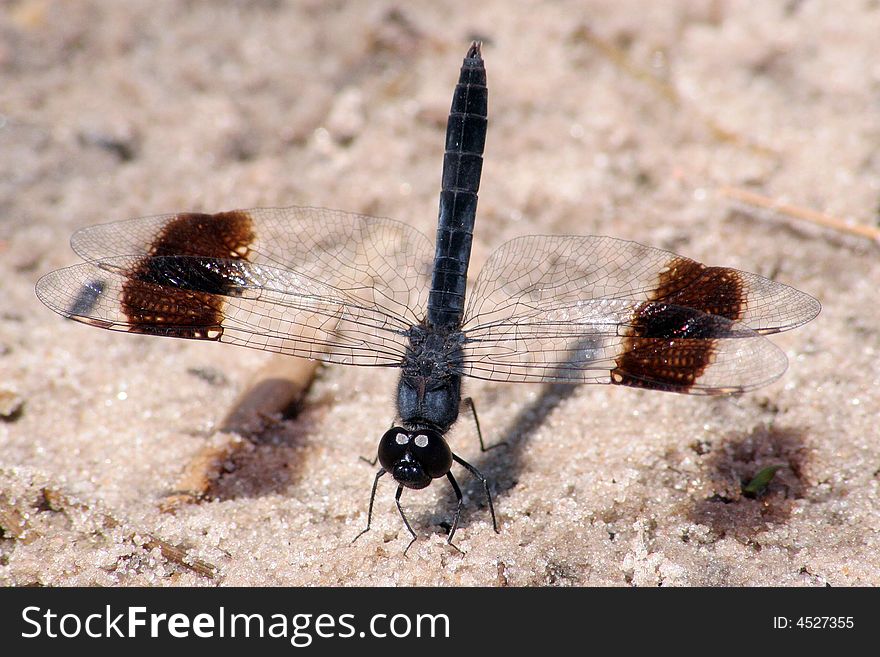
[457, 517]
[470, 402]
[372, 498]
[484, 481]
[405, 521]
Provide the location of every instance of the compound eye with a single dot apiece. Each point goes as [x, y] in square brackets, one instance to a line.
[430, 449]
[392, 446]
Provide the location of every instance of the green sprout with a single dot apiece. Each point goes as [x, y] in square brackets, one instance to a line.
[760, 481]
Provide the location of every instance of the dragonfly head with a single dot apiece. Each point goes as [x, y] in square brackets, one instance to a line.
[415, 457]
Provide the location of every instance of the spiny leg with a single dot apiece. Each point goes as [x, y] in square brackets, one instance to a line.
[470, 402]
[372, 498]
[405, 521]
[485, 482]
[457, 517]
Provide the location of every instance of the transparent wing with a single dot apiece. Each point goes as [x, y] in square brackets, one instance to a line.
[388, 261]
[597, 341]
[227, 301]
[557, 271]
[601, 310]
[300, 281]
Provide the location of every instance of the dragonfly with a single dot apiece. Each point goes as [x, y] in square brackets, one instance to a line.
[373, 292]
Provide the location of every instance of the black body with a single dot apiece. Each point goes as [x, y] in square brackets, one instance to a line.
[462, 165]
[429, 391]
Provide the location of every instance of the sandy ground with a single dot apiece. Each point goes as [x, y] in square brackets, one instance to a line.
[606, 117]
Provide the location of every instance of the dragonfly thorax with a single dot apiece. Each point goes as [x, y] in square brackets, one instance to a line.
[429, 391]
[433, 353]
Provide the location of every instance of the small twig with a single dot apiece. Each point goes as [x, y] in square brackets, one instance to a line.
[58, 501]
[201, 472]
[179, 556]
[275, 388]
[280, 384]
[800, 213]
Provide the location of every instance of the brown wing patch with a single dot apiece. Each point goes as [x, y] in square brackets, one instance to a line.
[712, 290]
[668, 365]
[221, 235]
[672, 338]
[162, 296]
